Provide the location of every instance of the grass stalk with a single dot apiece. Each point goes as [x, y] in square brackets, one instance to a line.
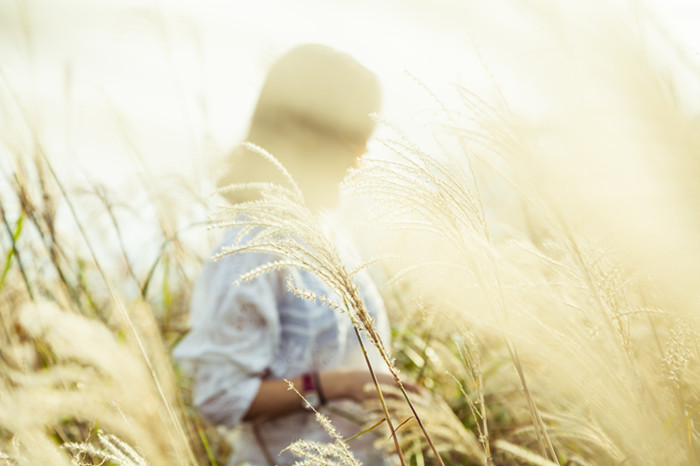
[115, 224]
[420, 423]
[205, 442]
[117, 301]
[545, 443]
[14, 252]
[382, 401]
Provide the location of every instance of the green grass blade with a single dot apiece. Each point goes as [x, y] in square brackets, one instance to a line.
[14, 237]
[10, 254]
[372, 427]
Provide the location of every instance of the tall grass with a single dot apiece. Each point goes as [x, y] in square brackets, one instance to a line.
[86, 373]
[540, 267]
[548, 238]
[77, 358]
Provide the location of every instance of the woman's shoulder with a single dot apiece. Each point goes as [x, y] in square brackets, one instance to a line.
[229, 277]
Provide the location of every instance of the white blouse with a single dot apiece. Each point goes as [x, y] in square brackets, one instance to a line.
[241, 334]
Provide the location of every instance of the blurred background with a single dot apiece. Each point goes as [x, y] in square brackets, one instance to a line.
[564, 219]
[177, 81]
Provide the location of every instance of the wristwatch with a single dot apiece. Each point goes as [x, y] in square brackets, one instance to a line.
[312, 391]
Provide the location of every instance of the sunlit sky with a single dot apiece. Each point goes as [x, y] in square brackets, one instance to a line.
[176, 81]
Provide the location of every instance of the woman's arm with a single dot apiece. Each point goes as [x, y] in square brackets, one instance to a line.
[274, 398]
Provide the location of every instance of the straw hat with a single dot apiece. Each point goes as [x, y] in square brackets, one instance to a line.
[312, 115]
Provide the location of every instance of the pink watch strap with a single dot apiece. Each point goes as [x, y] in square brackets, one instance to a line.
[308, 382]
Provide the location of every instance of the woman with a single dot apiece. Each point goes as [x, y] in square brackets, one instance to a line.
[313, 116]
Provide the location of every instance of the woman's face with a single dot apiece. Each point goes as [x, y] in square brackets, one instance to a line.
[320, 177]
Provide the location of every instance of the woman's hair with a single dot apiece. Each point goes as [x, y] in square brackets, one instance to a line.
[313, 115]
[320, 88]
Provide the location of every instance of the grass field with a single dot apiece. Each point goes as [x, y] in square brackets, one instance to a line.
[538, 256]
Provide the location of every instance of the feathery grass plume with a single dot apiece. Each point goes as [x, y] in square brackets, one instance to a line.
[609, 200]
[455, 443]
[313, 453]
[157, 359]
[89, 280]
[467, 365]
[591, 289]
[281, 225]
[469, 354]
[427, 346]
[278, 223]
[95, 379]
[522, 455]
[79, 272]
[110, 449]
[444, 199]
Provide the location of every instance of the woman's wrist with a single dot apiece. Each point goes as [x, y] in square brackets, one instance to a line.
[334, 384]
[319, 388]
[312, 390]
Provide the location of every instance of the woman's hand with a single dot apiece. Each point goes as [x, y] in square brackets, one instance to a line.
[357, 384]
